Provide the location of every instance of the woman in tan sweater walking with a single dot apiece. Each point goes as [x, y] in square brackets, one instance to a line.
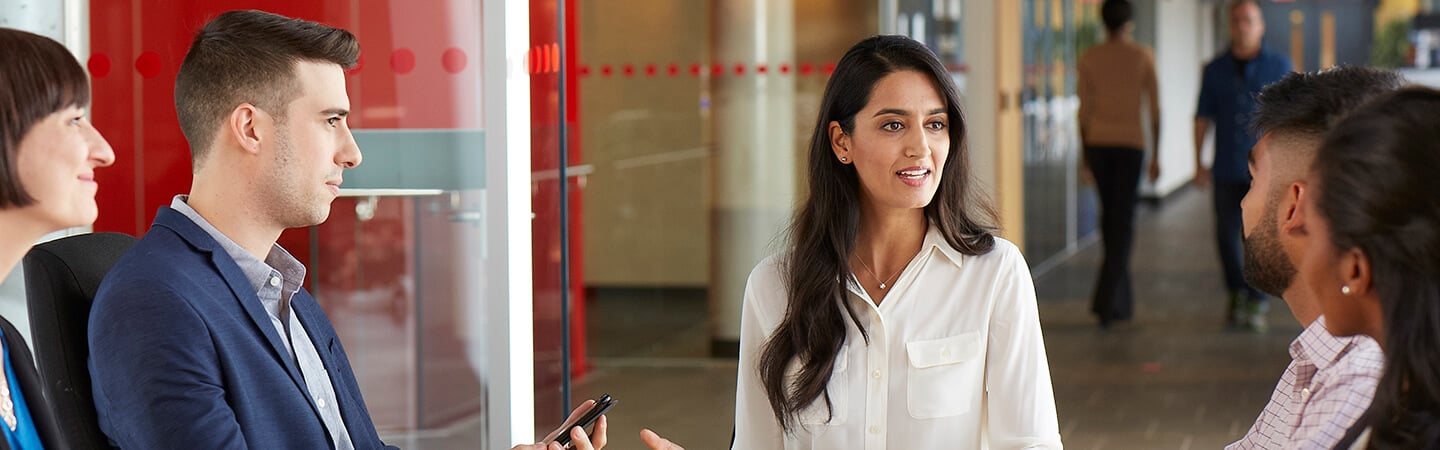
[1117, 83]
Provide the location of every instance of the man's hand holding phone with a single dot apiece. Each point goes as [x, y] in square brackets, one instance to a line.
[572, 435]
[577, 436]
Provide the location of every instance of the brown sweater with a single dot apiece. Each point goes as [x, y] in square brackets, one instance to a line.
[1115, 78]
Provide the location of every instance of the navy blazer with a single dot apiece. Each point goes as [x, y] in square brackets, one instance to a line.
[184, 356]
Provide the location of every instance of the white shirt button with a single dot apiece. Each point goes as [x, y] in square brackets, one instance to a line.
[874, 429]
[1305, 394]
[320, 402]
[875, 374]
[275, 281]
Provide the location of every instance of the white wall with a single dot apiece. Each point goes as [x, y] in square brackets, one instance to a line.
[1182, 46]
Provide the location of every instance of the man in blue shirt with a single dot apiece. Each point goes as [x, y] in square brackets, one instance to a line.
[1227, 99]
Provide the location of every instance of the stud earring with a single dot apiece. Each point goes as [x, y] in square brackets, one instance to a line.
[844, 159]
[1345, 290]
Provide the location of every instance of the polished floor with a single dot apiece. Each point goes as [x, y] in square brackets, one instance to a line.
[1174, 379]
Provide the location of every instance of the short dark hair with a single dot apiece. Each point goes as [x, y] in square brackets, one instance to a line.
[38, 77]
[249, 57]
[1239, 3]
[1115, 14]
[1310, 103]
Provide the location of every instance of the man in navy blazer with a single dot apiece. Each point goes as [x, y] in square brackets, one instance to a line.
[201, 336]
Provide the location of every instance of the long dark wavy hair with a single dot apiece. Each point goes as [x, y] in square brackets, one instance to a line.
[1379, 175]
[816, 270]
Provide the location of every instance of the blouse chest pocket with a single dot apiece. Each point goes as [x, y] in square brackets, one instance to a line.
[837, 389]
[945, 375]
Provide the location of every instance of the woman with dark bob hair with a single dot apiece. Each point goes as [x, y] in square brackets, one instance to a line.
[48, 155]
[895, 318]
[1373, 220]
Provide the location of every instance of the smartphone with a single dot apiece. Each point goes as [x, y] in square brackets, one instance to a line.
[585, 421]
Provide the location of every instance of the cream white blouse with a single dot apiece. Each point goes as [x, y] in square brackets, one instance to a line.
[955, 361]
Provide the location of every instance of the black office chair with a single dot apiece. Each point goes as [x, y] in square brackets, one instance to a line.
[61, 278]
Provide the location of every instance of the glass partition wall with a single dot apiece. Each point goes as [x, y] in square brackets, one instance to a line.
[425, 264]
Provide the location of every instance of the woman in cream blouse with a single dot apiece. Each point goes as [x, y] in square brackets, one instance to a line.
[895, 319]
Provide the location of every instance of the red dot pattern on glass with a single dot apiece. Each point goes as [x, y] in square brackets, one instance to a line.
[402, 61]
[453, 60]
[148, 64]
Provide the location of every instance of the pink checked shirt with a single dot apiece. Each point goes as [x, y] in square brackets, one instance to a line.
[1327, 387]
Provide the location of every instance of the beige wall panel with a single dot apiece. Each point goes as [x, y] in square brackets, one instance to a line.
[647, 203]
[645, 206]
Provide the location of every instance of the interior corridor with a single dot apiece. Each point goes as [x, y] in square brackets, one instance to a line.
[1174, 379]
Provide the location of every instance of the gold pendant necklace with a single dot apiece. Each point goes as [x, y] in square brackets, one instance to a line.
[883, 283]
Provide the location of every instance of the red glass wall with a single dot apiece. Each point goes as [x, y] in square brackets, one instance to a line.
[381, 266]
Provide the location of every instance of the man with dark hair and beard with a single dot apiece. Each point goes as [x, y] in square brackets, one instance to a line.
[1330, 380]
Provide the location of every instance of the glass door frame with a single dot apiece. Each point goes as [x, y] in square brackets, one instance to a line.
[505, 106]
